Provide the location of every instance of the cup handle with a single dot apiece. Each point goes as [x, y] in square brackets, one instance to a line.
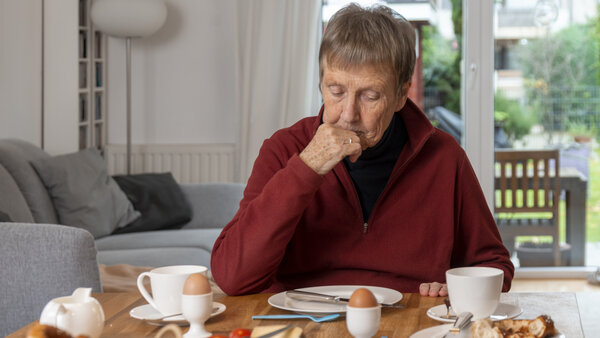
[143, 291]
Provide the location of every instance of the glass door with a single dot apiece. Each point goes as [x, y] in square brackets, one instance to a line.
[547, 97]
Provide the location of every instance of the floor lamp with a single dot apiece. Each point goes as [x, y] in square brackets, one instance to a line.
[128, 19]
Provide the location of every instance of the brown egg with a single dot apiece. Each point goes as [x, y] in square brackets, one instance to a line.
[362, 297]
[196, 284]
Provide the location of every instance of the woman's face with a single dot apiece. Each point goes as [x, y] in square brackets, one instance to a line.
[361, 99]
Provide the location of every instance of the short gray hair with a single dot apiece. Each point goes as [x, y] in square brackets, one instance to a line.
[374, 35]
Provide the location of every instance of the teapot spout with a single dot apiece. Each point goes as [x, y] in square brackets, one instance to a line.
[81, 294]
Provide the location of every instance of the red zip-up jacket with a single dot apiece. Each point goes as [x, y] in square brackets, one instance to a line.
[295, 228]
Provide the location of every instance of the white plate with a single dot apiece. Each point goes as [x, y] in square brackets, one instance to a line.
[440, 330]
[281, 301]
[151, 315]
[503, 311]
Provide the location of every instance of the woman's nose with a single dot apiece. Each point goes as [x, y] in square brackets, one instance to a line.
[351, 111]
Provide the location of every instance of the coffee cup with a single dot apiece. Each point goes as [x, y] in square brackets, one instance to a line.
[167, 286]
[475, 289]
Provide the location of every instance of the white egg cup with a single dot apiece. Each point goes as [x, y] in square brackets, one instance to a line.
[363, 322]
[197, 309]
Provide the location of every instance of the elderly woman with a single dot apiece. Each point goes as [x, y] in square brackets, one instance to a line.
[368, 192]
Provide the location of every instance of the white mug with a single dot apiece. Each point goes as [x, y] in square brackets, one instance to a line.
[78, 314]
[475, 289]
[167, 286]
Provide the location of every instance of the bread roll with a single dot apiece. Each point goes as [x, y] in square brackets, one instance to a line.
[540, 327]
[484, 328]
[47, 331]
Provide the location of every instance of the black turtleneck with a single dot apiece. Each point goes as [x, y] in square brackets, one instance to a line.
[373, 168]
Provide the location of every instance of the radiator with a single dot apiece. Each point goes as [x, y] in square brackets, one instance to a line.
[189, 163]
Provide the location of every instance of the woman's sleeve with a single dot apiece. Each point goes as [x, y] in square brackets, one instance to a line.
[250, 248]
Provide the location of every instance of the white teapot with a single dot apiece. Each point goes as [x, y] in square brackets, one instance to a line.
[77, 314]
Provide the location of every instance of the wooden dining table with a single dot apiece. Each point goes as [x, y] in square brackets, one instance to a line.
[563, 308]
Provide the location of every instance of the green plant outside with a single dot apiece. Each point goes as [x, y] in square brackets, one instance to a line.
[580, 129]
[516, 120]
[439, 71]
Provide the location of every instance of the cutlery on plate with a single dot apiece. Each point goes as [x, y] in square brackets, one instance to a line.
[168, 316]
[313, 318]
[214, 309]
[447, 303]
[462, 320]
[319, 297]
[276, 332]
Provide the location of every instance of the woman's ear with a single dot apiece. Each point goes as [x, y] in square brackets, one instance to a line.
[403, 96]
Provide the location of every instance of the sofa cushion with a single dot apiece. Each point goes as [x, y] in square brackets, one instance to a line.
[158, 248]
[15, 156]
[4, 217]
[12, 202]
[158, 198]
[213, 204]
[199, 238]
[83, 194]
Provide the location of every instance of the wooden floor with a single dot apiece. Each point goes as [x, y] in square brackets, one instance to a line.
[555, 285]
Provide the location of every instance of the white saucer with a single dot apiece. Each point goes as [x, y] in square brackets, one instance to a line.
[152, 316]
[503, 311]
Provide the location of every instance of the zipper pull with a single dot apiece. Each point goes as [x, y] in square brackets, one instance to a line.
[365, 227]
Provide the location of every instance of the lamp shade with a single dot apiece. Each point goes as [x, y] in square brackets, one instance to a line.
[128, 18]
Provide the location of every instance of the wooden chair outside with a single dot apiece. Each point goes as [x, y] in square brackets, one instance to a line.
[527, 195]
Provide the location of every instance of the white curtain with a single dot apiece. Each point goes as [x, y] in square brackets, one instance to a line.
[277, 69]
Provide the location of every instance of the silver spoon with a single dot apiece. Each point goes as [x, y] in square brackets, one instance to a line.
[448, 315]
[179, 314]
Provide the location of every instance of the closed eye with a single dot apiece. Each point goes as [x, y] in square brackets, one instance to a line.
[336, 91]
[371, 96]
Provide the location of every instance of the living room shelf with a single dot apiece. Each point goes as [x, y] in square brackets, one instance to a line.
[92, 77]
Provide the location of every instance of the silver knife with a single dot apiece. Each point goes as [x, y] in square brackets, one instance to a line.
[462, 321]
[319, 297]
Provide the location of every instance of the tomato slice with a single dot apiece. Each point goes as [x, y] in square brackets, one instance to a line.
[240, 333]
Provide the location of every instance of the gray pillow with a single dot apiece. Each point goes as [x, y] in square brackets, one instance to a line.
[83, 194]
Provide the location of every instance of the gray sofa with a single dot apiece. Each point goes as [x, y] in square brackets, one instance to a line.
[24, 198]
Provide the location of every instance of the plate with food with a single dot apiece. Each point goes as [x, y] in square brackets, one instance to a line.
[540, 327]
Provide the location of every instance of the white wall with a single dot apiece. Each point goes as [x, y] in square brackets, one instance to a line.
[183, 78]
[21, 70]
[60, 76]
[22, 73]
